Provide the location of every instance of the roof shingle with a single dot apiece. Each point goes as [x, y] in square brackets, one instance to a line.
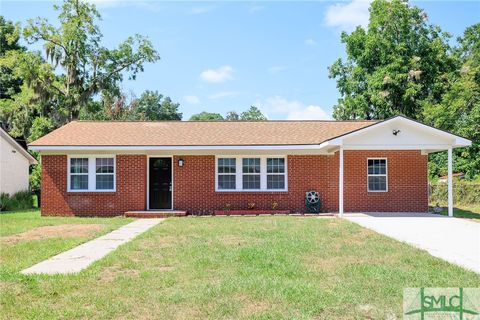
[197, 133]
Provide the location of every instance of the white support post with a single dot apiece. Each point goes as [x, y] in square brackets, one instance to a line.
[340, 183]
[450, 184]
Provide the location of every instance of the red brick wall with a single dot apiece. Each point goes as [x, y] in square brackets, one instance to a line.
[194, 186]
[130, 189]
[407, 182]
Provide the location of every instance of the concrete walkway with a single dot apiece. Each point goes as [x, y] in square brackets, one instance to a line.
[81, 257]
[451, 239]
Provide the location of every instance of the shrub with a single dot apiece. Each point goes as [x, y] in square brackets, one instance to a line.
[464, 192]
[19, 201]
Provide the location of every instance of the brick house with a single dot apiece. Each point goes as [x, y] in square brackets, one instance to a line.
[109, 168]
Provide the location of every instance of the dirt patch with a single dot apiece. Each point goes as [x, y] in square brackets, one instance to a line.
[61, 230]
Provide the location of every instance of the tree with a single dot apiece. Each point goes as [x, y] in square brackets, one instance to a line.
[232, 116]
[88, 68]
[252, 114]
[153, 106]
[396, 66]
[9, 37]
[459, 109]
[205, 116]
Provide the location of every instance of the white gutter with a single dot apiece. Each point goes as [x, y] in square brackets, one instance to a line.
[168, 148]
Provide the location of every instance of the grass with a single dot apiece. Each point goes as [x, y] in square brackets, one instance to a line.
[236, 268]
[462, 211]
[17, 255]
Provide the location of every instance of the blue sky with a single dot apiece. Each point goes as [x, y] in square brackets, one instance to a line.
[222, 56]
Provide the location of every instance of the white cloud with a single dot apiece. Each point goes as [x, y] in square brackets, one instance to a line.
[310, 42]
[276, 69]
[310, 112]
[224, 94]
[292, 109]
[347, 16]
[254, 9]
[191, 99]
[221, 74]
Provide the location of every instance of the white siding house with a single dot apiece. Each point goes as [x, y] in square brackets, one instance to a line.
[14, 165]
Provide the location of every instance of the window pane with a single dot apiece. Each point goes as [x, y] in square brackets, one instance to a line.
[251, 165]
[382, 167]
[226, 182]
[104, 182]
[276, 181]
[104, 165]
[79, 182]
[251, 181]
[377, 183]
[275, 165]
[377, 166]
[78, 165]
[226, 165]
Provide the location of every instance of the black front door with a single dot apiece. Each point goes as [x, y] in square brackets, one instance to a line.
[160, 194]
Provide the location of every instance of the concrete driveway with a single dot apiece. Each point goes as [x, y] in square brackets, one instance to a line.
[451, 239]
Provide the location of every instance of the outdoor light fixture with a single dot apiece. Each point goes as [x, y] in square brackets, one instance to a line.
[180, 162]
[395, 132]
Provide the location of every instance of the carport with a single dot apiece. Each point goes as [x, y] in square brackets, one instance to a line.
[398, 133]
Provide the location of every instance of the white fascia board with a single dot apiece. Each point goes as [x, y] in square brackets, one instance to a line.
[397, 147]
[458, 141]
[175, 148]
[462, 142]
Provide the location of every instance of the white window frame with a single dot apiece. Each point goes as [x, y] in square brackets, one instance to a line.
[239, 173]
[378, 175]
[92, 175]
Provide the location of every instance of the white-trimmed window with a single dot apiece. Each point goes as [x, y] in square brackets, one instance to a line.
[377, 175]
[251, 173]
[276, 173]
[226, 176]
[91, 173]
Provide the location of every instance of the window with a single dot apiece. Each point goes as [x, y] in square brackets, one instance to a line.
[251, 173]
[91, 173]
[377, 175]
[79, 173]
[226, 173]
[275, 173]
[238, 173]
[104, 173]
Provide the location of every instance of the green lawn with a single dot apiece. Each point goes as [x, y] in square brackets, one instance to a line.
[18, 254]
[467, 212]
[235, 268]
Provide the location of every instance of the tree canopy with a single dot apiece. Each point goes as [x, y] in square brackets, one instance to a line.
[402, 64]
[397, 65]
[205, 116]
[75, 69]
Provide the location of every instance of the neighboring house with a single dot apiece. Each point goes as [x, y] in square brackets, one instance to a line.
[458, 175]
[108, 168]
[14, 165]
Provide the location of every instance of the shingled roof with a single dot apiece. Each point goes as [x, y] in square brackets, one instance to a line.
[197, 133]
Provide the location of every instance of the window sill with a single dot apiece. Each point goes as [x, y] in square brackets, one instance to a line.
[251, 191]
[90, 192]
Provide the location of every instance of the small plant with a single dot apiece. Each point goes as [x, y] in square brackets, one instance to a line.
[274, 205]
[18, 201]
[251, 205]
[227, 207]
[4, 201]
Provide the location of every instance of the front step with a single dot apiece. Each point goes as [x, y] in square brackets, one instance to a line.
[155, 214]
